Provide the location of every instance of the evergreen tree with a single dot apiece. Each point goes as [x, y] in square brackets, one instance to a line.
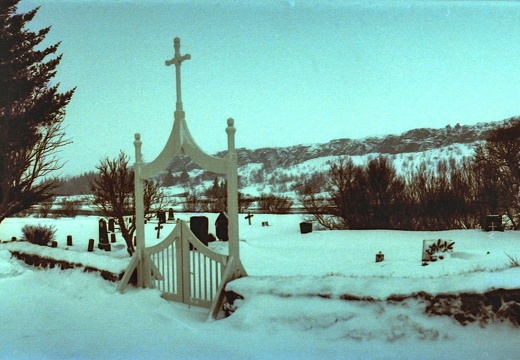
[31, 112]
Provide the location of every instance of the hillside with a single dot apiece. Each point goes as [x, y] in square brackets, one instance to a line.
[416, 140]
[279, 169]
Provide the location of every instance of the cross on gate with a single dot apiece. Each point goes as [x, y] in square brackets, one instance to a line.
[248, 217]
[493, 226]
[177, 60]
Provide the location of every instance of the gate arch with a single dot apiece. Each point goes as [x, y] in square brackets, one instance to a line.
[169, 263]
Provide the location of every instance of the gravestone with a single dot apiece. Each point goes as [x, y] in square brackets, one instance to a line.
[90, 245]
[103, 244]
[161, 216]
[305, 227]
[69, 240]
[493, 223]
[248, 217]
[199, 227]
[380, 257]
[221, 227]
[158, 228]
[170, 214]
[111, 225]
[426, 256]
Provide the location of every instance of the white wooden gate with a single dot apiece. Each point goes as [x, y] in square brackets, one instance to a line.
[194, 277]
[184, 275]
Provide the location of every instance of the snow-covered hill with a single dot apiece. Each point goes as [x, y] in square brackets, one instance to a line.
[279, 170]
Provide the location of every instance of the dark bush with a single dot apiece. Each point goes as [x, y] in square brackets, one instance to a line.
[38, 234]
[69, 208]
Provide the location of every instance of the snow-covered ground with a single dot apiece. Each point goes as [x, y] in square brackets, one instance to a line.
[292, 307]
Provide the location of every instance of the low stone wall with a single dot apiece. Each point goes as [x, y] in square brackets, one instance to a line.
[494, 305]
[44, 262]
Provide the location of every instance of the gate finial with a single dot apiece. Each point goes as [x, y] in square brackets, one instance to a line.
[177, 60]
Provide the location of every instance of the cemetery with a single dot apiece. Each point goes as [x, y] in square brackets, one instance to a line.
[266, 273]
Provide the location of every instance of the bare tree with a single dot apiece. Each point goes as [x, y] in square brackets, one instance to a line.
[498, 166]
[113, 192]
[272, 204]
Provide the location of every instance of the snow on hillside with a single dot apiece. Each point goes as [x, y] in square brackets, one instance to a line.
[293, 307]
[255, 179]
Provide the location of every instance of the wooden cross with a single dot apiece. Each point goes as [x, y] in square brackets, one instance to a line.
[177, 60]
[248, 217]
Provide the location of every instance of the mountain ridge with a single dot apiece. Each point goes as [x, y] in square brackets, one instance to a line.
[415, 140]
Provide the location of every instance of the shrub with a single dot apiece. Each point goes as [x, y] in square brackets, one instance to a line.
[45, 208]
[69, 208]
[38, 234]
[272, 204]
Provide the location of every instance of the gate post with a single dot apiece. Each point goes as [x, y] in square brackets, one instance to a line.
[232, 191]
[143, 273]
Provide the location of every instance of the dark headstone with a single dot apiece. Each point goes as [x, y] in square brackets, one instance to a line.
[69, 240]
[380, 257]
[305, 227]
[112, 238]
[211, 238]
[199, 227]
[221, 227]
[161, 216]
[493, 223]
[111, 225]
[103, 236]
[170, 214]
[54, 244]
[90, 245]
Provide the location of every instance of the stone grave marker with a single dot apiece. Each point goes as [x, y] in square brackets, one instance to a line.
[221, 227]
[493, 223]
[161, 216]
[103, 244]
[90, 245]
[305, 227]
[111, 225]
[170, 214]
[199, 227]
[425, 249]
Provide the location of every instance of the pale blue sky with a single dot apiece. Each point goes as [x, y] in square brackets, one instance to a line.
[289, 72]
